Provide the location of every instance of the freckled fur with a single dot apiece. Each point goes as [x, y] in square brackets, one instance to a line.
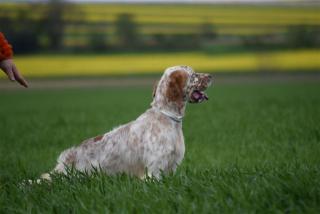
[152, 143]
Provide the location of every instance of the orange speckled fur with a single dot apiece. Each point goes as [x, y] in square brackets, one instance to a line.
[148, 146]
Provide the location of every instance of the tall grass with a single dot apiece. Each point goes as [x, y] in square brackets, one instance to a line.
[250, 148]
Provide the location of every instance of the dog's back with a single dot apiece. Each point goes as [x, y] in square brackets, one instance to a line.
[148, 143]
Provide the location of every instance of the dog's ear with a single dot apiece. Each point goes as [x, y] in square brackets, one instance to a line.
[155, 86]
[177, 82]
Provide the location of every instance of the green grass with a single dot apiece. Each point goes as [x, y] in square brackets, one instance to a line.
[251, 148]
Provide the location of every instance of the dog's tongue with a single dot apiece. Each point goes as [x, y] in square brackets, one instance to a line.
[199, 96]
[196, 95]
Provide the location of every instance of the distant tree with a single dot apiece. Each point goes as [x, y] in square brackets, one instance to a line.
[6, 23]
[54, 23]
[207, 31]
[172, 42]
[28, 34]
[127, 31]
[303, 35]
[253, 41]
[98, 42]
[21, 30]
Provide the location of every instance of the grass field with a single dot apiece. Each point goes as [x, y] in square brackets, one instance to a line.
[154, 63]
[253, 148]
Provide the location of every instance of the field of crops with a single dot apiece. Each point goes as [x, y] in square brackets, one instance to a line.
[252, 148]
[175, 19]
[187, 18]
[150, 63]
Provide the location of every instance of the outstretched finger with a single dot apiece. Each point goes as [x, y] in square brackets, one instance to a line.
[8, 71]
[18, 77]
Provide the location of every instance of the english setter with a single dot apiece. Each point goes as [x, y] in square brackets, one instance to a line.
[149, 145]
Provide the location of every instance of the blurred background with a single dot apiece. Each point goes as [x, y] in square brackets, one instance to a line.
[79, 38]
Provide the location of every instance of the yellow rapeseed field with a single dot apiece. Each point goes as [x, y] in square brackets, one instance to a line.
[176, 19]
[122, 64]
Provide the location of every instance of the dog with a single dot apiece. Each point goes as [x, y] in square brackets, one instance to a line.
[149, 146]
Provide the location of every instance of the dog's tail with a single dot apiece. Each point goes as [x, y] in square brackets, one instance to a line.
[44, 176]
[60, 168]
[62, 162]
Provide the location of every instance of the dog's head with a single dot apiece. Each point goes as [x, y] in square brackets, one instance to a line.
[180, 84]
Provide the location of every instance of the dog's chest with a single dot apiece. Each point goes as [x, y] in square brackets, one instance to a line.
[169, 146]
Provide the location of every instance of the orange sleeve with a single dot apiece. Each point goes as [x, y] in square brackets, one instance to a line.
[5, 48]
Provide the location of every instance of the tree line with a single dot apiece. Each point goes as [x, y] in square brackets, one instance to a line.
[47, 32]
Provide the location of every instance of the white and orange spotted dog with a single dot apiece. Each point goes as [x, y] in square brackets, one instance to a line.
[149, 145]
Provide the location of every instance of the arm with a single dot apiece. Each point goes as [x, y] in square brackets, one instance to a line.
[5, 47]
[6, 62]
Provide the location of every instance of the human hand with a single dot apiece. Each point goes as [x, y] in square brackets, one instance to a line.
[12, 72]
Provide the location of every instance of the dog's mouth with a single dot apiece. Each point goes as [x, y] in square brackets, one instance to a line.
[198, 96]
